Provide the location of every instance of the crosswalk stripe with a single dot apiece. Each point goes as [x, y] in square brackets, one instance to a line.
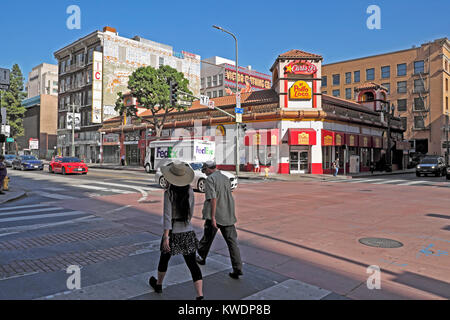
[23, 207]
[412, 182]
[10, 213]
[53, 195]
[43, 216]
[290, 290]
[102, 189]
[137, 285]
[388, 181]
[363, 180]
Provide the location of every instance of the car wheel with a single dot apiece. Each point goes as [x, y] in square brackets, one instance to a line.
[417, 174]
[147, 168]
[22, 168]
[84, 173]
[163, 182]
[201, 185]
[64, 171]
[437, 174]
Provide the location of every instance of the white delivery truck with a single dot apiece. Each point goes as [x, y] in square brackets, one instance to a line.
[190, 150]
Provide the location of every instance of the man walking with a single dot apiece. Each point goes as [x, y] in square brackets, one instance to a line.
[3, 172]
[336, 167]
[218, 213]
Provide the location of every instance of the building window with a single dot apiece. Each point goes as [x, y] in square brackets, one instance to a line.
[446, 84]
[387, 86]
[215, 81]
[419, 104]
[209, 82]
[419, 67]
[401, 87]
[419, 123]
[220, 79]
[446, 103]
[348, 77]
[202, 83]
[356, 76]
[401, 69]
[419, 86]
[370, 74]
[401, 105]
[404, 122]
[220, 93]
[336, 93]
[385, 72]
[161, 61]
[324, 92]
[336, 79]
[214, 94]
[324, 81]
[348, 93]
[208, 94]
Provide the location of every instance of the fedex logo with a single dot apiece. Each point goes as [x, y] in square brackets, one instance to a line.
[165, 153]
[204, 150]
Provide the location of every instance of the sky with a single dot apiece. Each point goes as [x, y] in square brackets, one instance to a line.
[31, 31]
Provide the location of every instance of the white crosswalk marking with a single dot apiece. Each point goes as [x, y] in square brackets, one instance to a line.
[103, 189]
[34, 210]
[23, 207]
[361, 180]
[412, 182]
[43, 216]
[53, 195]
[388, 181]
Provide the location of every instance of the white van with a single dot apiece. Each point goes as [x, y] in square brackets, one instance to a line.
[191, 150]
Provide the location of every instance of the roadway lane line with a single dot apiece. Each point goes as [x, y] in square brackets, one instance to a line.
[23, 207]
[43, 216]
[11, 213]
[102, 189]
[413, 182]
[363, 180]
[389, 181]
[53, 196]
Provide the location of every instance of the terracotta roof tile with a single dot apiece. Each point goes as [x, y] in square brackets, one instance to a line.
[299, 54]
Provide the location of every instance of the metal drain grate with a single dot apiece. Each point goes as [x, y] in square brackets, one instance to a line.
[381, 243]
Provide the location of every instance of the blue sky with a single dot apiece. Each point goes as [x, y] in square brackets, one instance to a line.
[30, 31]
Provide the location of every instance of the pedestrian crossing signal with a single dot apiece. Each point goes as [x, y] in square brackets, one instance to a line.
[2, 138]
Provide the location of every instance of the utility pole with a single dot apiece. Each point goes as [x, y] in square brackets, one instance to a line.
[389, 143]
[73, 130]
[237, 159]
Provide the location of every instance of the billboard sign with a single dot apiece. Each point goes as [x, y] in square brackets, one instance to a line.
[97, 87]
[33, 144]
[77, 120]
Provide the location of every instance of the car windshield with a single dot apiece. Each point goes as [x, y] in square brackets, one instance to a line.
[70, 160]
[197, 166]
[429, 161]
[29, 158]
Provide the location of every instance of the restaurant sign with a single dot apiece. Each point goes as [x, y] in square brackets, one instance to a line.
[300, 67]
[300, 90]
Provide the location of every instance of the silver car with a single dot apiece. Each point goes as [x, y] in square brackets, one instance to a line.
[199, 178]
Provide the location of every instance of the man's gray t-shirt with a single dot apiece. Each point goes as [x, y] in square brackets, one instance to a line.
[218, 186]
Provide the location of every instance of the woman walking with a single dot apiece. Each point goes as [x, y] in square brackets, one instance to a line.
[179, 236]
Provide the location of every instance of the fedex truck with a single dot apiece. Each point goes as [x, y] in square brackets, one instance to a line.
[161, 152]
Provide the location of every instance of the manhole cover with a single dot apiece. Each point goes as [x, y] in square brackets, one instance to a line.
[381, 243]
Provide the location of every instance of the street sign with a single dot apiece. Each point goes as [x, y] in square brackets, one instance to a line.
[204, 101]
[4, 78]
[238, 100]
[4, 87]
[239, 117]
[239, 110]
[9, 140]
[211, 104]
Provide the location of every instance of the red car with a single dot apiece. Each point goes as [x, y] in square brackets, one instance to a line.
[66, 165]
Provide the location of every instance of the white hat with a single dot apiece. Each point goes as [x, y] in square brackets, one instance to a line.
[178, 173]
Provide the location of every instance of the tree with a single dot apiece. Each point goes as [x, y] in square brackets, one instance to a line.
[151, 88]
[12, 100]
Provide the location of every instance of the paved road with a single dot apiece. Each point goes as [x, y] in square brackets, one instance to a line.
[401, 180]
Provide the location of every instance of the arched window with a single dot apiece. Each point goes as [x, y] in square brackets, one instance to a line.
[367, 96]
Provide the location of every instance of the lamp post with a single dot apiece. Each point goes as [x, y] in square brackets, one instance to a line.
[389, 146]
[237, 91]
[73, 130]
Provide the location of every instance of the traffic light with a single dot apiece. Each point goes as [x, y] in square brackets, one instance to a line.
[173, 93]
[2, 138]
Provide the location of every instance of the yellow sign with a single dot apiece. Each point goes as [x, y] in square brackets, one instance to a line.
[365, 141]
[328, 140]
[220, 131]
[300, 91]
[274, 139]
[352, 141]
[303, 138]
[257, 139]
[338, 140]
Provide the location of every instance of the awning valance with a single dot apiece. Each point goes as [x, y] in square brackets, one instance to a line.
[303, 137]
[264, 137]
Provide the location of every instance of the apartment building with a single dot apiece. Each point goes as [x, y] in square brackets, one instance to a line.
[218, 78]
[93, 70]
[43, 79]
[417, 80]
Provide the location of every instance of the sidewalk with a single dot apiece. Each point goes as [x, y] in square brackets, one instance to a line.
[11, 195]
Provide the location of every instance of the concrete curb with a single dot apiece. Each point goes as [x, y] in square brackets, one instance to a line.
[15, 195]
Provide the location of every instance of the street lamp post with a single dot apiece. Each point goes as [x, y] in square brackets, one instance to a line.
[237, 91]
[73, 130]
[389, 146]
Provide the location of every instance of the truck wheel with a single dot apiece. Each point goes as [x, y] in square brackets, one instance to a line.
[201, 185]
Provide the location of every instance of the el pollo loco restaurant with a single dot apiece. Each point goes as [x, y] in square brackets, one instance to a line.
[291, 128]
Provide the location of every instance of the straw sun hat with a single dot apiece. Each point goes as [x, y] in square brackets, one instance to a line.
[178, 173]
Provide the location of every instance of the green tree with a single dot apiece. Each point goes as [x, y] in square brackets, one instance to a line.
[151, 88]
[12, 100]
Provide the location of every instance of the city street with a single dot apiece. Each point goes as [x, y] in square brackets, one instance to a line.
[298, 240]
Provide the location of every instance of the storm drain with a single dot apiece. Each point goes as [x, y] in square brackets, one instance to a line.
[380, 243]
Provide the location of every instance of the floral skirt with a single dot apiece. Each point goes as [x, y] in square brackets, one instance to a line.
[184, 243]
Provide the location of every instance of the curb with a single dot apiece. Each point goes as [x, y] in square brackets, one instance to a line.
[21, 194]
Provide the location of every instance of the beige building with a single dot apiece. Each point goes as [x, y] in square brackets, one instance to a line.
[43, 79]
[417, 80]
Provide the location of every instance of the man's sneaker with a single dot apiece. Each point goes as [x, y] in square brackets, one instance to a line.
[153, 283]
[235, 274]
[200, 260]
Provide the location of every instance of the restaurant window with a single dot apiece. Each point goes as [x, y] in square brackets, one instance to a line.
[326, 157]
[348, 77]
[336, 93]
[324, 81]
[419, 86]
[370, 74]
[419, 67]
[385, 72]
[404, 122]
[365, 157]
[336, 79]
[387, 86]
[401, 105]
[348, 93]
[419, 123]
[401, 87]
[401, 69]
[419, 104]
[356, 76]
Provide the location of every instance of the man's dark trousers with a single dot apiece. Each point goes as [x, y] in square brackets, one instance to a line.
[229, 234]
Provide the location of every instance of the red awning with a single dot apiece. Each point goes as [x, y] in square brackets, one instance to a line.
[328, 138]
[377, 142]
[365, 141]
[351, 139]
[264, 137]
[303, 137]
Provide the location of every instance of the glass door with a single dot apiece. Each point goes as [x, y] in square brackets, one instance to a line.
[303, 162]
[294, 162]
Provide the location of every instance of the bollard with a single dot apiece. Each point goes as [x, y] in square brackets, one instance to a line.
[6, 184]
[267, 172]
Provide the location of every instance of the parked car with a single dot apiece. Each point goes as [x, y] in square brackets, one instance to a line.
[67, 165]
[9, 159]
[431, 165]
[199, 179]
[27, 162]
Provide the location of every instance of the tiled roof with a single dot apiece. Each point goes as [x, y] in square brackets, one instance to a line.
[298, 54]
[344, 102]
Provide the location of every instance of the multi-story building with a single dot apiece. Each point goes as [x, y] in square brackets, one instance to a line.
[218, 78]
[417, 81]
[43, 79]
[94, 69]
